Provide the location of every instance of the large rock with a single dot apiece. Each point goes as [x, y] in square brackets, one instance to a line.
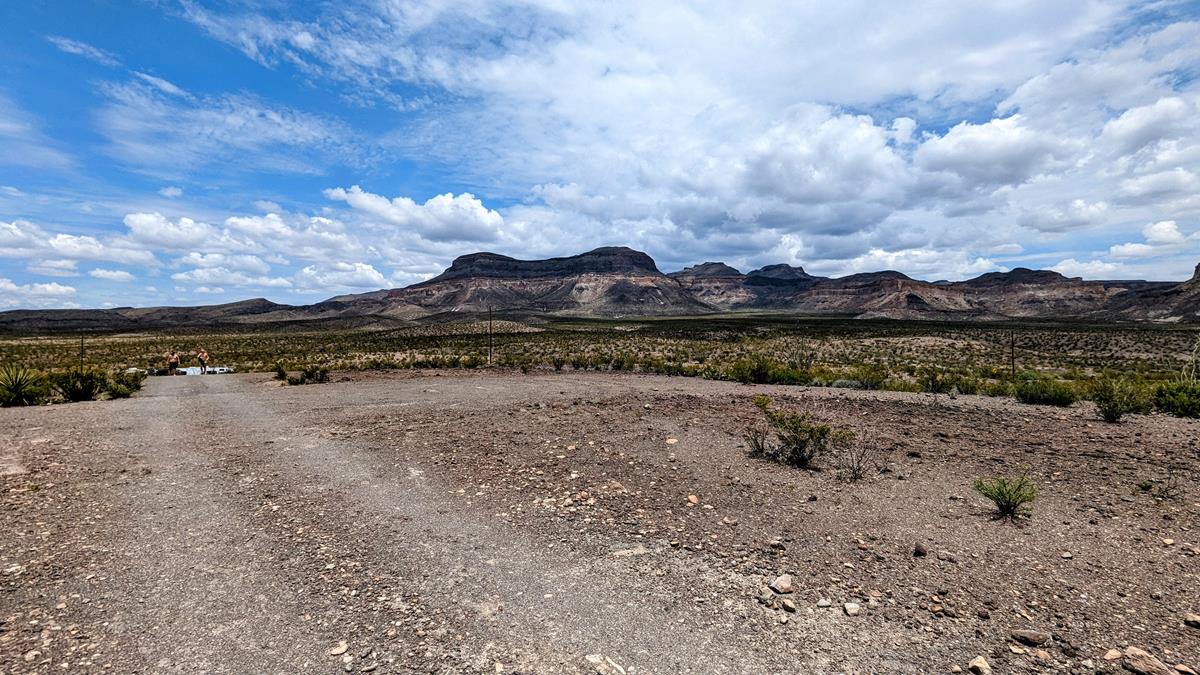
[979, 666]
[1031, 638]
[782, 584]
[1140, 661]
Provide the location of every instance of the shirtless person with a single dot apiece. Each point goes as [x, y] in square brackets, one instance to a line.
[202, 357]
[173, 363]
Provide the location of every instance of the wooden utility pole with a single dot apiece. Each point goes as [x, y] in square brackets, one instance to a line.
[1012, 354]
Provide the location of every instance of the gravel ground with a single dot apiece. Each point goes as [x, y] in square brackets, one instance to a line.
[580, 522]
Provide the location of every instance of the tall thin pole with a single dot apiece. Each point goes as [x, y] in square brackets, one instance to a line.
[81, 353]
[1012, 354]
[490, 335]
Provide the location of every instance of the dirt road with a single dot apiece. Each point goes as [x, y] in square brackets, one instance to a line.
[507, 523]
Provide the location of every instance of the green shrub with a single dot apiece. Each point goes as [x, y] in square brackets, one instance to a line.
[281, 372]
[310, 375]
[131, 380]
[802, 436]
[1046, 392]
[761, 370]
[1116, 398]
[870, 376]
[316, 375]
[117, 390]
[1181, 399]
[1009, 495]
[21, 386]
[79, 385]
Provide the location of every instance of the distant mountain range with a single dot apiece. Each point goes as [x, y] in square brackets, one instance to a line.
[620, 282]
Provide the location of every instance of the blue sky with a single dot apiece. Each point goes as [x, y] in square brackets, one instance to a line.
[198, 152]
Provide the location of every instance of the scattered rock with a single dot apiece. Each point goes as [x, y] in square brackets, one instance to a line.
[1032, 638]
[782, 584]
[789, 605]
[602, 665]
[1112, 655]
[339, 649]
[979, 666]
[983, 613]
[1144, 663]
[824, 602]
[672, 441]
[693, 499]
[851, 609]
[1192, 620]
[1183, 669]
[920, 550]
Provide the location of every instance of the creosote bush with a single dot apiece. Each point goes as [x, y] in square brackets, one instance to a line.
[801, 435]
[856, 458]
[1008, 494]
[1115, 398]
[310, 375]
[21, 386]
[1181, 399]
[1046, 392]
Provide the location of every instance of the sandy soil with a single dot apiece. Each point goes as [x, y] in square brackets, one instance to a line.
[492, 522]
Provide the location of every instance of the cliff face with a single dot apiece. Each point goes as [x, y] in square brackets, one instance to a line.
[611, 281]
[608, 260]
[619, 281]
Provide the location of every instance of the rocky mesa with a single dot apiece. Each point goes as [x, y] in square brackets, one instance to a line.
[618, 282]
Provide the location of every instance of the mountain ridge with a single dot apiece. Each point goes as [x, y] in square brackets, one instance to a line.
[618, 281]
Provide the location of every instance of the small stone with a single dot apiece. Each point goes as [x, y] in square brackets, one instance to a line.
[851, 609]
[789, 605]
[1142, 662]
[1168, 542]
[672, 441]
[602, 665]
[983, 613]
[1112, 655]
[693, 499]
[782, 584]
[1183, 669]
[956, 668]
[340, 648]
[920, 550]
[1192, 620]
[1067, 555]
[1032, 638]
[824, 602]
[979, 666]
[31, 655]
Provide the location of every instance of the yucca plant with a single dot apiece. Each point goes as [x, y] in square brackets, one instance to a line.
[79, 385]
[1008, 494]
[21, 386]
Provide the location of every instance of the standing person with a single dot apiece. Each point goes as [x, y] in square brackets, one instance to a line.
[202, 357]
[173, 363]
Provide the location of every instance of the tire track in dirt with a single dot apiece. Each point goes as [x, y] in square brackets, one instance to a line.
[200, 589]
[518, 596]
